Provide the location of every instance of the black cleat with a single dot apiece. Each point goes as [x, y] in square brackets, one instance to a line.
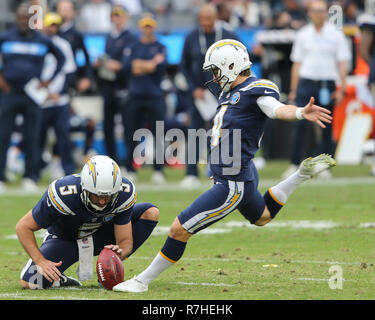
[66, 281]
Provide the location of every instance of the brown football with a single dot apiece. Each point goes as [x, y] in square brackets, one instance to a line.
[109, 268]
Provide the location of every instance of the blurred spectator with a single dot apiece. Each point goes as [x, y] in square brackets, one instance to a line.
[282, 20]
[179, 117]
[320, 57]
[23, 51]
[159, 7]
[187, 6]
[296, 11]
[55, 111]
[351, 12]
[361, 4]
[95, 17]
[367, 48]
[196, 44]
[67, 30]
[367, 51]
[42, 3]
[248, 11]
[147, 65]
[113, 81]
[82, 124]
[274, 47]
[225, 17]
[133, 7]
[175, 89]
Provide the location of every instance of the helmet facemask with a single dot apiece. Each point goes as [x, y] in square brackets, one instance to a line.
[220, 80]
[95, 209]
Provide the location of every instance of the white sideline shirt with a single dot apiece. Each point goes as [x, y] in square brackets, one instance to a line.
[320, 52]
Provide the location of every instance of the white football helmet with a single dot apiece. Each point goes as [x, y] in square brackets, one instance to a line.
[226, 59]
[100, 176]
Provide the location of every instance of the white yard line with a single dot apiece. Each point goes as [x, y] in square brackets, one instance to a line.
[25, 296]
[230, 226]
[204, 284]
[250, 260]
[317, 279]
[38, 234]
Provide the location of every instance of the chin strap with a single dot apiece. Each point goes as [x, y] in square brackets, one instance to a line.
[96, 210]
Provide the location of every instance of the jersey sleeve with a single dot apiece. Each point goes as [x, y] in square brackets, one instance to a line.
[161, 67]
[128, 197]
[59, 55]
[269, 105]
[60, 194]
[45, 212]
[70, 63]
[261, 88]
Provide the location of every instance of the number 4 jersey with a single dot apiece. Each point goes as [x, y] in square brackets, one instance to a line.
[238, 129]
[62, 213]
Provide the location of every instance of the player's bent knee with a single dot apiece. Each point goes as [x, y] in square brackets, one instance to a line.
[261, 223]
[151, 214]
[177, 232]
[264, 219]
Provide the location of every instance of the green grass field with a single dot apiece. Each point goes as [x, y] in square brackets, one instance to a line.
[325, 223]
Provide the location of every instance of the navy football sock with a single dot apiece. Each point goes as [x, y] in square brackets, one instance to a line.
[173, 249]
[142, 229]
[273, 205]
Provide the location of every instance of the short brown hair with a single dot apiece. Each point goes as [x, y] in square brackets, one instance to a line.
[245, 73]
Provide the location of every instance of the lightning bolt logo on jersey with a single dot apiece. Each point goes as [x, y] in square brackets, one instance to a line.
[62, 212]
[238, 110]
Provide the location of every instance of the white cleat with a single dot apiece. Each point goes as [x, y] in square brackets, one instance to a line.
[314, 166]
[132, 285]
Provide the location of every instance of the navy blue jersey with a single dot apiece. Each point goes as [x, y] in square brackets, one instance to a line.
[117, 47]
[239, 110]
[76, 40]
[370, 27]
[23, 56]
[63, 214]
[146, 85]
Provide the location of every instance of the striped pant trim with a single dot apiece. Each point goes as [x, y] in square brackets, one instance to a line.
[236, 190]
